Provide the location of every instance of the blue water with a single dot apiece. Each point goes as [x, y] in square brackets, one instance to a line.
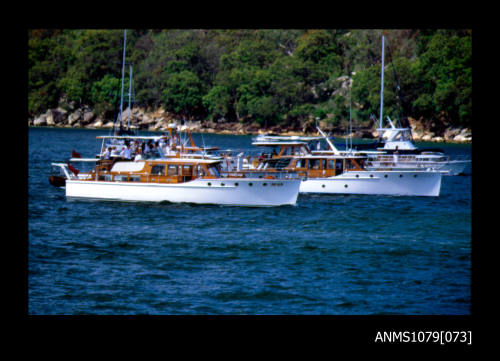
[329, 254]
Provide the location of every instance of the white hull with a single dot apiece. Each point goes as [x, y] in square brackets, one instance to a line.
[402, 183]
[453, 167]
[238, 192]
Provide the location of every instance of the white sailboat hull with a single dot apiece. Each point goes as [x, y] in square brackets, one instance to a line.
[402, 183]
[237, 192]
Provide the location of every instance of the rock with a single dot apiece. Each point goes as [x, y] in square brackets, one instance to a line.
[416, 135]
[40, 121]
[451, 133]
[428, 137]
[437, 139]
[461, 138]
[97, 124]
[62, 111]
[88, 117]
[146, 120]
[50, 118]
[75, 116]
[466, 132]
[72, 105]
[109, 124]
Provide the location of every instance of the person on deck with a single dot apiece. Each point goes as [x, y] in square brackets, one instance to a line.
[138, 154]
[107, 153]
[114, 152]
[126, 153]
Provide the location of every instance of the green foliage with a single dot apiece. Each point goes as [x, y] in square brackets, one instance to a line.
[266, 76]
[182, 94]
[217, 101]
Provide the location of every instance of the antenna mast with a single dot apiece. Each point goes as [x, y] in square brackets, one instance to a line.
[129, 95]
[382, 84]
[123, 73]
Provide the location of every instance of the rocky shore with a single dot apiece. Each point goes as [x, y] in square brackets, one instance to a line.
[158, 120]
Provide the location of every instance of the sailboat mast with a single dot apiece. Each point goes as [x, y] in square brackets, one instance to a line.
[350, 119]
[129, 95]
[123, 73]
[382, 84]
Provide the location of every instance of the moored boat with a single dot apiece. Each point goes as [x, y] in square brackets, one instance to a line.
[396, 143]
[189, 180]
[342, 173]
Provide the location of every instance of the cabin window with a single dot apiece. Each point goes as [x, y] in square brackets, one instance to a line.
[323, 163]
[214, 171]
[338, 165]
[331, 164]
[314, 163]
[108, 177]
[172, 169]
[299, 163]
[134, 178]
[158, 169]
[278, 163]
[121, 178]
[187, 170]
[200, 171]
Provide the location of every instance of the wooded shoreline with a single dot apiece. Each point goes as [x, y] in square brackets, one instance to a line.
[158, 120]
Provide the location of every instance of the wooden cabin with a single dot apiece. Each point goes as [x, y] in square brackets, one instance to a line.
[170, 170]
[296, 156]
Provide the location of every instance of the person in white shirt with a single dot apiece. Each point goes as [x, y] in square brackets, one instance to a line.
[126, 152]
[138, 155]
[107, 153]
[114, 152]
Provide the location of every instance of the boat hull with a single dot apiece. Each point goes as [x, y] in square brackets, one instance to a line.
[455, 167]
[57, 181]
[401, 183]
[235, 192]
[451, 168]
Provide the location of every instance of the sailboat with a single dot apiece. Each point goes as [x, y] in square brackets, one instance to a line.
[395, 149]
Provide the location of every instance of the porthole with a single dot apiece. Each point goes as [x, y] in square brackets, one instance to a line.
[415, 176]
[345, 185]
[209, 184]
[235, 184]
[357, 175]
[323, 185]
[264, 184]
[250, 184]
[385, 175]
[400, 176]
[222, 184]
[371, 175]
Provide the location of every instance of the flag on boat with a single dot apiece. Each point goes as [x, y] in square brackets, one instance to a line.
[75, 154]
[73, 169]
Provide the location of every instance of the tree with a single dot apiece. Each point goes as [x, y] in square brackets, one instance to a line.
[183, 94]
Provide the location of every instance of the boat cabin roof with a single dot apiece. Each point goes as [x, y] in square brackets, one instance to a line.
[267, 143]
[183, 160]
[153, 137]
[329, 156]
[198, 148]
[287, 138]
